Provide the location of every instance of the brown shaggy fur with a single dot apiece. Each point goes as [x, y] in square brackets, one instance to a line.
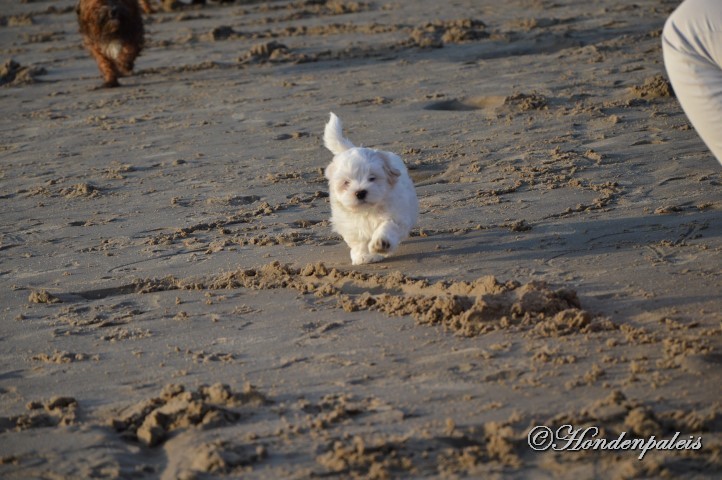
[113, 33]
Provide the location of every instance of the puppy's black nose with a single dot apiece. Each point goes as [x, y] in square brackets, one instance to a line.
[361, 194]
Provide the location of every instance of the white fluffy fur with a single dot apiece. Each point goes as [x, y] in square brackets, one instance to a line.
[373, 201]
[112, 49]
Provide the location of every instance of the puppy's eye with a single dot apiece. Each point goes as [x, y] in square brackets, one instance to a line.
[371, 179]
[346, 183]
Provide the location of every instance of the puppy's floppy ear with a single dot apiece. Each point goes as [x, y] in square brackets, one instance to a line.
[392, 173]
[330, 169]
[333, 137]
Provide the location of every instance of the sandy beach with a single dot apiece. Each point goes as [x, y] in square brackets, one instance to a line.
[174, 303]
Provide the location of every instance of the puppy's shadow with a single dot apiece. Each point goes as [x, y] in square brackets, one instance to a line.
[418, 249]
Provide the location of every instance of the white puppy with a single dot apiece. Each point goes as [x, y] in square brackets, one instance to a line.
[373, 201]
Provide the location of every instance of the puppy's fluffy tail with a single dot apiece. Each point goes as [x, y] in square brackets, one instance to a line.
[333, 137]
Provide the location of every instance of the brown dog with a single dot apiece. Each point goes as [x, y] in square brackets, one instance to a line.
[113, 33]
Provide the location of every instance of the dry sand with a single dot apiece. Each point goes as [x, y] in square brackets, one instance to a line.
[175, 305]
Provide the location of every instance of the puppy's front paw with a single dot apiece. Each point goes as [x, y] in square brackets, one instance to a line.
[380, 245]
[360, 258]
[108, 84]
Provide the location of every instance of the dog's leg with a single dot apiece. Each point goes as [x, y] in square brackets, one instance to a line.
[386, 238]
[360, 254]
[106, 67]
[147, 8]
[126, 59]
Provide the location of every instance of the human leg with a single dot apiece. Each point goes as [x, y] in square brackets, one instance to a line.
[692, 48]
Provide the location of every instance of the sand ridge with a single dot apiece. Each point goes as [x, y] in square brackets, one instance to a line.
[466, 308]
